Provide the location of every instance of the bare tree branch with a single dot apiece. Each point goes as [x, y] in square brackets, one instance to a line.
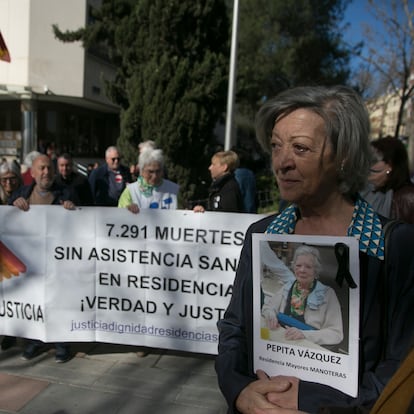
[389, 52]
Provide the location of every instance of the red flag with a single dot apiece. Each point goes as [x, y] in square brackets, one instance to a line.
[4, 53]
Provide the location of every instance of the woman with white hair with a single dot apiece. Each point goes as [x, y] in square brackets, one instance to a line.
[151, 190]
[10, 180]
[306, 300]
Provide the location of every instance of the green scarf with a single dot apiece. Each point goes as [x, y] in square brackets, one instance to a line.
[145, 188]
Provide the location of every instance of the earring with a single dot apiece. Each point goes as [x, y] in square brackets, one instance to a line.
[387, 172]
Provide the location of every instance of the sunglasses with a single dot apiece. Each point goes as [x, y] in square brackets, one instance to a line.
[116, 159]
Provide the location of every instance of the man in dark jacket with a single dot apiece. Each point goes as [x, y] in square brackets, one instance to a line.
[109, 180]
[78, 183]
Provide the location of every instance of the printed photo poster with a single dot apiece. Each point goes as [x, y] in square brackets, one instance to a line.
[306, 308]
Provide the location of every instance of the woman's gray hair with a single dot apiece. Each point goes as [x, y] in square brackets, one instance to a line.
[28, 159]
[305, 250]
[7, 167]
[13, 167]
[150, 155]
[347, 126]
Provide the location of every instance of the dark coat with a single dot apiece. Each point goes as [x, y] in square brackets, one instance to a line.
[234, 363]
[224, 195]
[80, 187]
[60, 193]
[99, 182]
[402, 206]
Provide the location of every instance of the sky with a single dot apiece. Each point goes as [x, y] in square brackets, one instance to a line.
[357, 15]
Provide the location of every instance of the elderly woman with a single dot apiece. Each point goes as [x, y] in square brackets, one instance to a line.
[150, 190]
[10, 180]
[318, 140]
[308, 301]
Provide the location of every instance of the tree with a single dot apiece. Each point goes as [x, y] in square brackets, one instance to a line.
[388, 54]
[286, 43]
[172, 67]
[171, 81]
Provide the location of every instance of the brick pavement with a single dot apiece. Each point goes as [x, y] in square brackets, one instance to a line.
[109, 379]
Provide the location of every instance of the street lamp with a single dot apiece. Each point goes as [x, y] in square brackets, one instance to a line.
[232, 78]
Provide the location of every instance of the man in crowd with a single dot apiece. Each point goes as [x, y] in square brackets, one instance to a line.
[78, 183]
[43, 191]
[110, 179]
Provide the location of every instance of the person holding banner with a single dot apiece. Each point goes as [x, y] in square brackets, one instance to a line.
[305, 300]
[151, 190]
[10, 181]
[43, 191]
[318, 138]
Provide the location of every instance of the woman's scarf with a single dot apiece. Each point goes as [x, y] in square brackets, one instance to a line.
[365, 226]
[145, 188]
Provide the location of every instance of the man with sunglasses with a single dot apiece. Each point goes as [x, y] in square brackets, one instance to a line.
[109, 180]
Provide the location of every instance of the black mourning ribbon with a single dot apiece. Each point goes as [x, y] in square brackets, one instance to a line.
[342, 257]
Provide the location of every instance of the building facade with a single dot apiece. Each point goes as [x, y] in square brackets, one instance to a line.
[52, 92]
[383, 113]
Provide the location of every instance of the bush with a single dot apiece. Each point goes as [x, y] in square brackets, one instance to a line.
[267, 193]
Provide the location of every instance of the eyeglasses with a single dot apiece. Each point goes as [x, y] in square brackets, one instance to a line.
[116, 159]
[9, 179]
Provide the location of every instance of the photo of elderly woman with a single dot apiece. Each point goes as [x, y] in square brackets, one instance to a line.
[296, 304]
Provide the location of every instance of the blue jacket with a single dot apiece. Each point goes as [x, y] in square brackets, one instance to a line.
[99, 182]
[247, 183]
[224, 195]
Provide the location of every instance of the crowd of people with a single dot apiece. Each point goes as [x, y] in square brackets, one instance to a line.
[48, 178]
[232, 189]
[334, 182]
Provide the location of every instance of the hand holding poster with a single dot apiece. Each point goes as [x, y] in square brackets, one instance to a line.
[160, 278]
[306, 315]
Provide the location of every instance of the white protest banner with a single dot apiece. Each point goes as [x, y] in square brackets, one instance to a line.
[306, 308]
[159, 278]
